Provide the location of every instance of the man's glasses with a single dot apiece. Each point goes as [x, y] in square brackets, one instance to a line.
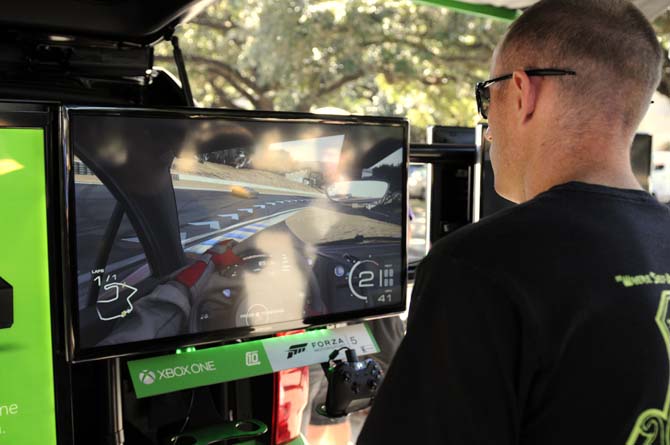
[483, 94]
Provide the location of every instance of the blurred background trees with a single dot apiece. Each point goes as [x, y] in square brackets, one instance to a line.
[662, 26]
[375, 57]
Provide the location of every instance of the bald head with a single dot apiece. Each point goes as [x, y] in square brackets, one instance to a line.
[609, 43]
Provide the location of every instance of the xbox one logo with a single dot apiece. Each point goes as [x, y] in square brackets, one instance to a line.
[147, 377]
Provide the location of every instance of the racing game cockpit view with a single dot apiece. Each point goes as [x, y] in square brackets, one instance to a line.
[196, 227]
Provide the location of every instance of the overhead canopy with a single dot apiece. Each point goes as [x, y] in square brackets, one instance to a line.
[146, 21]
[508, 9]
[134, 21]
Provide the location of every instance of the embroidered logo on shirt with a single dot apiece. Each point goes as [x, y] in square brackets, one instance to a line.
[652, 426]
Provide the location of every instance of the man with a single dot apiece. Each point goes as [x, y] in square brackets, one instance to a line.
[548, 323]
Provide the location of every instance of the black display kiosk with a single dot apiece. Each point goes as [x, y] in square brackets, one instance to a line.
[145, 240]
[462, 189]
[160, 249]
[456, 155]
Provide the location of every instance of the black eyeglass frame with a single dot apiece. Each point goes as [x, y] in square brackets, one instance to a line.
[483, 86]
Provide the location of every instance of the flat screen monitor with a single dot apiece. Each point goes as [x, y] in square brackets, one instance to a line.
[204, 226]
[640, 158]
[444, 134]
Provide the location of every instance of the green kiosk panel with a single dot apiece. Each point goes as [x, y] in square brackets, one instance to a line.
[26, 372]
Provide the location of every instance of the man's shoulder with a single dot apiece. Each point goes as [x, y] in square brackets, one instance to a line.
[494, 235]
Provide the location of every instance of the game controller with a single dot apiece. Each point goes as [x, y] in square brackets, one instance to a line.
[352, 384]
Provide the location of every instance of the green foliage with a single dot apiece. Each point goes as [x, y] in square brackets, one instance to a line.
[374, 57]
[662, 27]
[370, 57]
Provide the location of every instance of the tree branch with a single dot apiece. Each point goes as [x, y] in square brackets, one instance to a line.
[259, 101]
[218, 25]
[232, 76]
[422, 47]
[339, 83]
[223, 98]
[231, 73]
[308, 101]
[250, 97]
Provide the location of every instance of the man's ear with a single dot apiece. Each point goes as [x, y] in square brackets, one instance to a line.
[526, 90]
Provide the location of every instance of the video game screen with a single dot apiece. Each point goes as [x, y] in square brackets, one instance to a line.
[231, 224]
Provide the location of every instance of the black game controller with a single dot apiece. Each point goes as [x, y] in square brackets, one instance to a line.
[352, 385]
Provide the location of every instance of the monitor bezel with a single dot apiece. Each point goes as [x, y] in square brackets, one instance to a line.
[75, 353]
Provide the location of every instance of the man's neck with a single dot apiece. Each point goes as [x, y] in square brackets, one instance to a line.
[602, 164]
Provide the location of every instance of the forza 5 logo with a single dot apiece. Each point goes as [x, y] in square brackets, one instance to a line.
[295, 350]
[332, 343]
[218, 364]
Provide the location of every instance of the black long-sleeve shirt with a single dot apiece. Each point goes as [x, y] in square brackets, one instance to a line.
[547, 323]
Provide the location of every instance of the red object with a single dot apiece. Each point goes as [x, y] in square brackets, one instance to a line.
[227, 258]
[222, 254]
[189, 276]
[291, 394]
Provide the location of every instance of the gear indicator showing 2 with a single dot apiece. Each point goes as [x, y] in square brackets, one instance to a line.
[369, 279]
